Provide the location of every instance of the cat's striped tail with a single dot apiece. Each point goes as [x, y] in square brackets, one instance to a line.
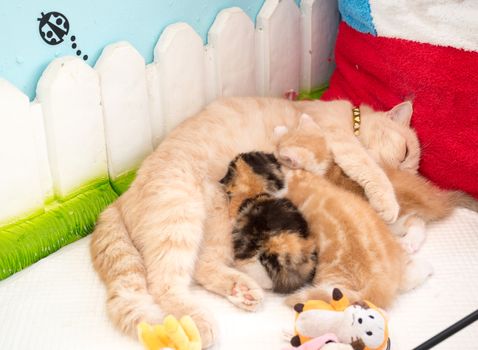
[121, 268]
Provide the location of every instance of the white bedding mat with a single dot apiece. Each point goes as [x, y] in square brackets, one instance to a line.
[59, 303]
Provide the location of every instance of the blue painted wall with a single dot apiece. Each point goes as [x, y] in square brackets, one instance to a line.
[95, 23]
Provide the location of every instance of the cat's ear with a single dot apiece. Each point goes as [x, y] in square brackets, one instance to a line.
[280, 131]
[231, 172]
[306, 122]
[402, 113]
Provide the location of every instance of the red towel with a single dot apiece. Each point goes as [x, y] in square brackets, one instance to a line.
[441, 81]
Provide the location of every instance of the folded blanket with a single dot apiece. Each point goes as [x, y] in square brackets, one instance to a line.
[387, 52]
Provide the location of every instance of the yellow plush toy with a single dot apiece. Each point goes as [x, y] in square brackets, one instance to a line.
[182, 335]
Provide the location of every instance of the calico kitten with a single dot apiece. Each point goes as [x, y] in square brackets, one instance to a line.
[420, 201]
[271, 239]
[357, 252]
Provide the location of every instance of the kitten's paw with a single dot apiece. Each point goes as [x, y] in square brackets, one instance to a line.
[417, 272]
[246, 294]
[386, 205]
[296, 298]
[207, 329]
[414, 239]
[399, 228]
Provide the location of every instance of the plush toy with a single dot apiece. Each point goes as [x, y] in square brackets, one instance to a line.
[325, 342]
[182, 335]
[362, 325]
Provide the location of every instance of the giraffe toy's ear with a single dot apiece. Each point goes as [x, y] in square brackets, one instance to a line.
[299, 307]
[339, 301]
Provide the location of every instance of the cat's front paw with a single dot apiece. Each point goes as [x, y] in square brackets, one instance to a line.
[246, 294]
[386, 205]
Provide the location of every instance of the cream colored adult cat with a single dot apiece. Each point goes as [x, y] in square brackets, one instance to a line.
[145, 245]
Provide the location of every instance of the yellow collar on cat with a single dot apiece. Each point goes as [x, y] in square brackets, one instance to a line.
[356, 120]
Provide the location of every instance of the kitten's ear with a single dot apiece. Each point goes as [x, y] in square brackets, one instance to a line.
[306, 121]
[402, 113]
[290, 157]
[228, 177]
[280, 131]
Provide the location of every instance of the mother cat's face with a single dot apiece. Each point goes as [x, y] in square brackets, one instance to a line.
[389, 138]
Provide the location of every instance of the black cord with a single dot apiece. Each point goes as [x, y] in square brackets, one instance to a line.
[458, 326]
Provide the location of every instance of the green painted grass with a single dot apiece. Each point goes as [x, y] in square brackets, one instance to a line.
[314, 94]
[24, 216]
[121, 184]
[83, 188]
[31, 239]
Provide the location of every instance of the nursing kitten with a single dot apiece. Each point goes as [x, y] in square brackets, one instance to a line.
[420, 201]
[271, 238]
[145, 245]
[357, 252]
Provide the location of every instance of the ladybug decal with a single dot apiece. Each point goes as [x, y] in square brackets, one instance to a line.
[53, 27]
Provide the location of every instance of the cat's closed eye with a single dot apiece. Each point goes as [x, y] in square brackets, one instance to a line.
[286, 160]
[406, 153]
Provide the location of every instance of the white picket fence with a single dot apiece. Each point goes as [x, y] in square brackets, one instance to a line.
[93, 123]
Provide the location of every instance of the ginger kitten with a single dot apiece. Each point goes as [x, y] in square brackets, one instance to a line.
[271, 239]
[356, 251]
